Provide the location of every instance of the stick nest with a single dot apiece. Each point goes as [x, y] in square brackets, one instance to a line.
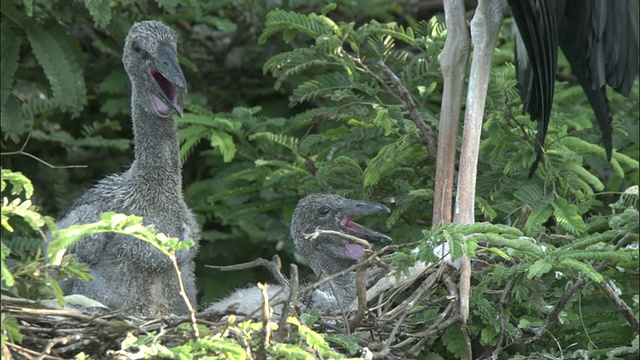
[392, 324]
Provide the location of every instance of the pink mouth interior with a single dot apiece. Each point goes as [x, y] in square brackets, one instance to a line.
[346, 222]
[169, 90]
[354, 251]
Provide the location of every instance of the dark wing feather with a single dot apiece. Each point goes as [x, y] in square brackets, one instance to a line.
[537, 21]
[600, 40]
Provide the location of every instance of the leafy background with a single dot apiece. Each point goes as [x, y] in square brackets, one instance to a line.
[287, 102]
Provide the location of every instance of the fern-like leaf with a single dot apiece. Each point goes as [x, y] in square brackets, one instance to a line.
[223, 142]
[321, 85]
[291, 23]
[168, 5]
[537, 217]
[60, 67]
[567, 217]
[10, 53]
[287, 141]
[100, 11]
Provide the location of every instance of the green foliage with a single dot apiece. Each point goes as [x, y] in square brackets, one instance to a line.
[229, 344]
[327, 120]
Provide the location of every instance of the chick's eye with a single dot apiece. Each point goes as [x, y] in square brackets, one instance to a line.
[136, 47]
[324, 211]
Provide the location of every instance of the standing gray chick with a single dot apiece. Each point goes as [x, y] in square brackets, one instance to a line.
[130, 274]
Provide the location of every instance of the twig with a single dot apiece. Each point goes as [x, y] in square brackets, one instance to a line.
[501, 305]
[6, 353]
[380, 80]
[351, 238]
[24, 352]
[571, 291]
[465, 286]
[452, 292]
[341, 306]
[362, 299]
[273, 266]
[22, 152]
[390, 280]
[76, 346]
[367, 261]
[44, 312]
[288, 307]
[626, 311]
[438, 326]
[428, 137]
[410, 300]
[185, 297]
[467, 339]
[266, 328]
[382, 354]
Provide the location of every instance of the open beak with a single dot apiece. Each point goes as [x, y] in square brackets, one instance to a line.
[359, 208]
[170, 82]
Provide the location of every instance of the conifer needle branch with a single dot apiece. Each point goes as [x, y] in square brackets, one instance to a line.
[429, 138]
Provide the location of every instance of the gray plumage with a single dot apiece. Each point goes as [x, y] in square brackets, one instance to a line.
[130, 274]
[325, 254]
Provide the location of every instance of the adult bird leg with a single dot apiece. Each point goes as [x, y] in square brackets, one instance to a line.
[453, 64]
[484, 33]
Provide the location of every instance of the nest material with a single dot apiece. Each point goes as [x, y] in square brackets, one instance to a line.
[387, 328]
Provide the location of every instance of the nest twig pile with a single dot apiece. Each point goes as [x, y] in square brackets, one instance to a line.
[390, 327]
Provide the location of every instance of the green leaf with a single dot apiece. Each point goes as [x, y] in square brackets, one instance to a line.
[536, 218]
[60, 67]
[10, 325]
[329, 7]
[529, 194]
[12, 120]
[582, 267]
[7, 276]
[454, 341]
[289, 142]
[223, 142]
[539, 268]
[585, 175]
[567, 217]
[168, 5]
[291, 23]
[10, 53]
[500, 253]
[345, 341]
[100, 11]
[222, 24]
[18, 181]
[28, 7]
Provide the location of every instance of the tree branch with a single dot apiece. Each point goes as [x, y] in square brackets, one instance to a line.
[428, 137]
